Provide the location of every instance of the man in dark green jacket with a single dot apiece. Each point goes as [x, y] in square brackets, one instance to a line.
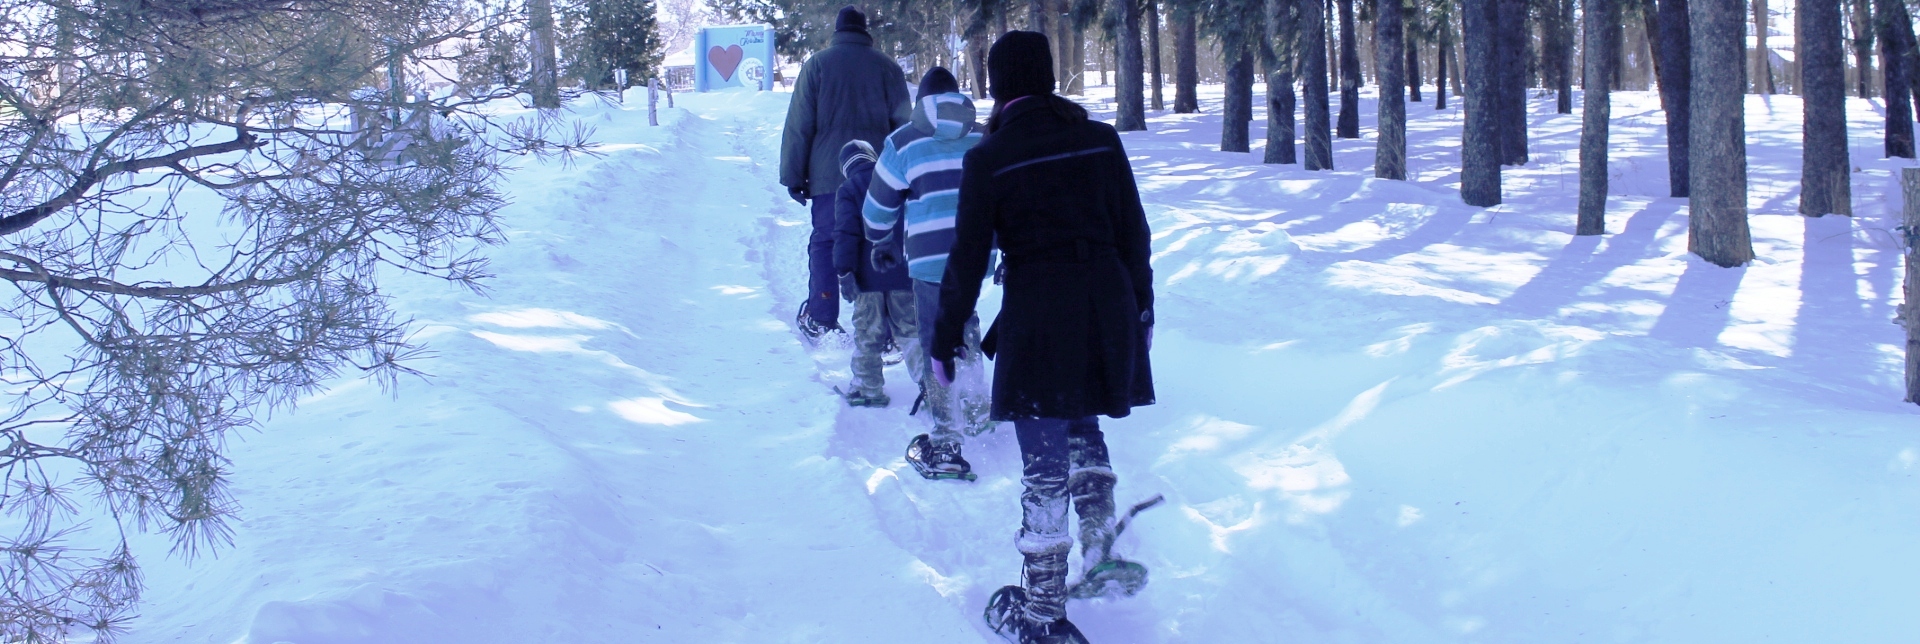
[847, 91]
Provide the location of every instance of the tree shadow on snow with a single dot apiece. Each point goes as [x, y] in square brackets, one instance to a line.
[1701, 305]
[1578, 266]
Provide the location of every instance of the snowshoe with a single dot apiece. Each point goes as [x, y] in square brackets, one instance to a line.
[1005, 615]
[1110, 578]
[1115, 576]
[937, 462]
[893, 355]
[857, 398]
[811, 329]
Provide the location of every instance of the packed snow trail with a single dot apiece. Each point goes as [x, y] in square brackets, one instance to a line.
[1385, 417]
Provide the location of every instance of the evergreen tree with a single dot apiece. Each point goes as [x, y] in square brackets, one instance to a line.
[1314, 89]
[607, 35]
[1390, 151]
[197, 228]
[1595, 116]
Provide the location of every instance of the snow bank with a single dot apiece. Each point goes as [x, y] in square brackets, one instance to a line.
[1385, 417]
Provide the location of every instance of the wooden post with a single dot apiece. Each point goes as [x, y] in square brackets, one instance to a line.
[1910, 309]
[653, 101]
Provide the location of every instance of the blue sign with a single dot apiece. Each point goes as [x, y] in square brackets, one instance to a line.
[738, 56]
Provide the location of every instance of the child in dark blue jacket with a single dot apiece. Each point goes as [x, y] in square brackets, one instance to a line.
[883, 301]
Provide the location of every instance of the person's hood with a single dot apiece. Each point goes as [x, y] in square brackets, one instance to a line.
[858, 170]
[946, 116]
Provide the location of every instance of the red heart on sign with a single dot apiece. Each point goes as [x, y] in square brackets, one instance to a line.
[725, 60]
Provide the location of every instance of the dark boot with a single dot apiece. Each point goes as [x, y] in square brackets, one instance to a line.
[937, 461]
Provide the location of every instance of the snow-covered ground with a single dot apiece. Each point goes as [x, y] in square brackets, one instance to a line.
[1385, 417]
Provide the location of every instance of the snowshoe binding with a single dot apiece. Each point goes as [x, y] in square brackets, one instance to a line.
[893, 355]
[1005, 614]
[938, 462]
[857, 398]
[1113, 576]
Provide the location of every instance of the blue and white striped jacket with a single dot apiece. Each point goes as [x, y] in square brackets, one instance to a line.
[919, 174]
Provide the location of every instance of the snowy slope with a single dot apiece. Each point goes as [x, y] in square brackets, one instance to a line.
[1385, 417]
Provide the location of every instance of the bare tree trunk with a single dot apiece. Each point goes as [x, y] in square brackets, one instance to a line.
[1762, 57]
[977, 60]
[1313, 43]
[1480, 138]
[1717, 221]
[1595, 114]
[1412, 48]
[1455, 62]
[1186, 61]
[1509, 69]
[1130, 100]
[546, 72]
[1237, 110]
[1349, 125]
[1390, 150]
[1676, 95]
[1079, 53]
[1563, 61]
[1153, 53]
[1863, 48]
[1440, 67]
[1037, 15]
[1282, 36]
[1895, 64]
[1825, 185]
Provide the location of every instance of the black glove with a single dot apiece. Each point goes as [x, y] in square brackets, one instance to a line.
[886, 256]
[849, 287]
[799, 194]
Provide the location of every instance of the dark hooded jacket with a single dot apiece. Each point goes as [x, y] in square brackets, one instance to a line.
[850, 246]
[844, 92]
[1058, 192]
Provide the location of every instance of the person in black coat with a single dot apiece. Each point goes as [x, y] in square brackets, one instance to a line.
[1075, 324]
[847, 91]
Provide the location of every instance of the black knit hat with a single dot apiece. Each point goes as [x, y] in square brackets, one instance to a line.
[938, 81]
[1020, 64]
[850, 20]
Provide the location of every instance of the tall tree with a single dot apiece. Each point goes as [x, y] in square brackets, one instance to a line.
[1896, 64]
[1762, 57]
[1480, 135]
[1186, 59]
[546, 71]
[1824, 180]
[1510, 82]
[1390, 149]
[1595, 116]
[1415, 32]
[1717, 213]
[1442, 17]
[1349, 124]
[1313, 43]
[1153, 54]
[1676, 94]
[1129, 95]
[1236, 113]
[1863, 31]
[1562, 60]
[1239, 26]
[1281, 53]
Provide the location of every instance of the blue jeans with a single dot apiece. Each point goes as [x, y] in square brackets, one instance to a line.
[940, 400]
[823, 285]
[1064, 459]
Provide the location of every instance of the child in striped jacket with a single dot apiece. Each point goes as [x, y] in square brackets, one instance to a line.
[918, 178]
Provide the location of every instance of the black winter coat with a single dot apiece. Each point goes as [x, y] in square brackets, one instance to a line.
[851, 249]
[1058, 192]
[847, 91]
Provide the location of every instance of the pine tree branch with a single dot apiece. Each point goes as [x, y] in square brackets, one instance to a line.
[87, 179]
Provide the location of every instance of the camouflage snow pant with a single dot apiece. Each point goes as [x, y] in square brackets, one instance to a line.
[875, 315]
[941, 401]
